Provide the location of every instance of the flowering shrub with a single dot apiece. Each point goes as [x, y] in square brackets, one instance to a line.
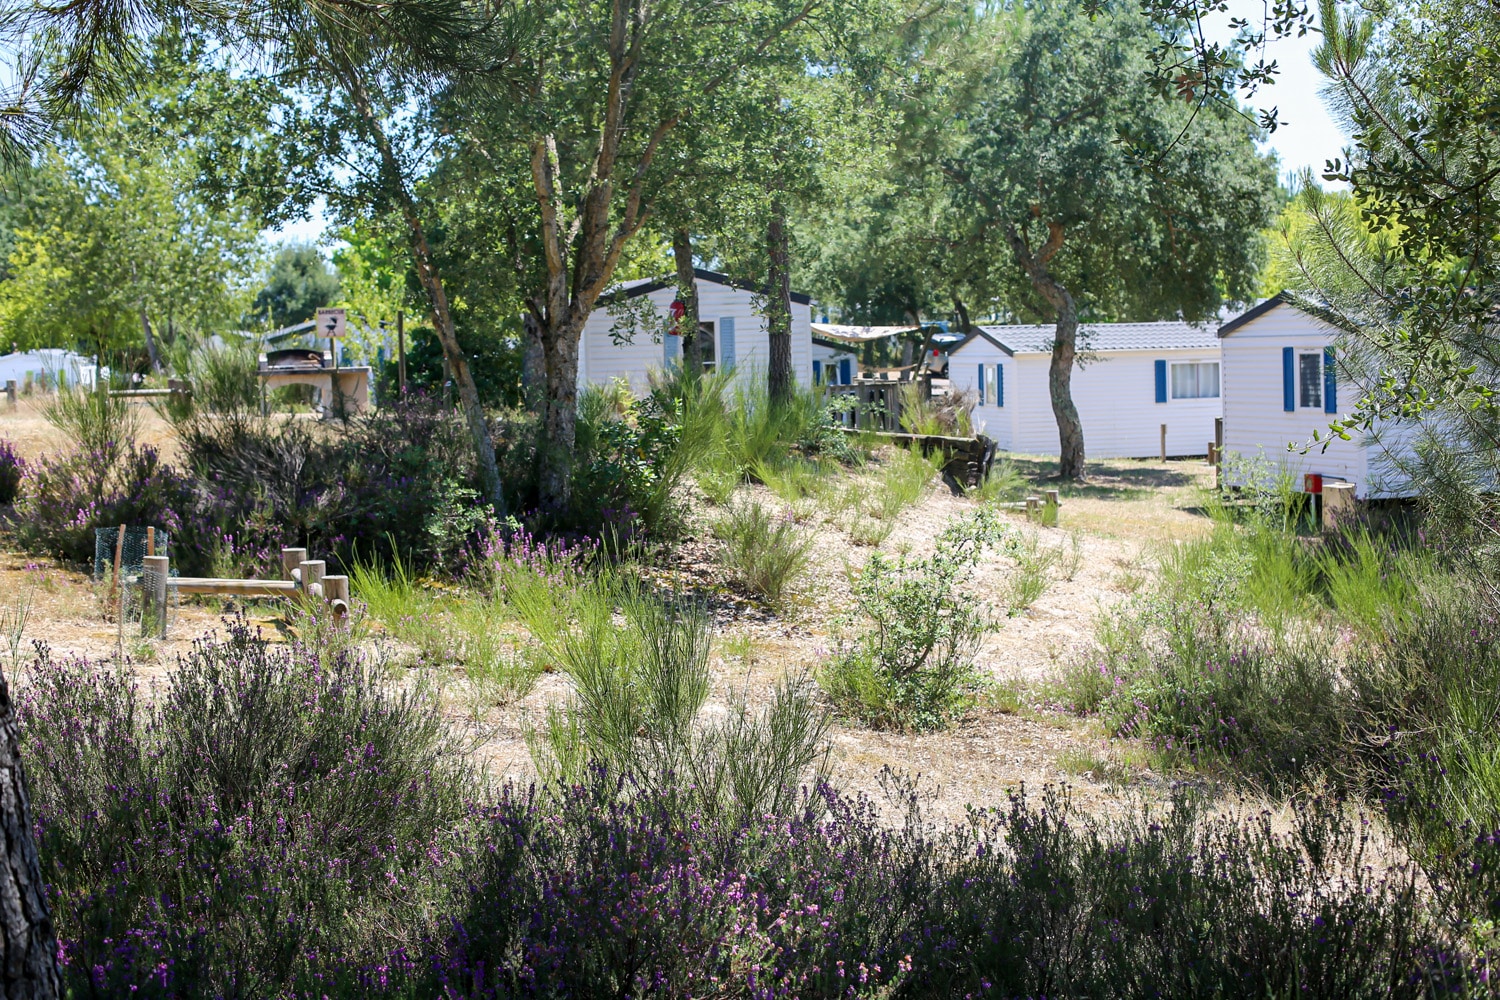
[274, 822]
[62, 500]
[12, 466]
[262, 811]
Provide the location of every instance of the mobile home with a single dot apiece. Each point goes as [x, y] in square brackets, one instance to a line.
[1131, 380]
[632, 331]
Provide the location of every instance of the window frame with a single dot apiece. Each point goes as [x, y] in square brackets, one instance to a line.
[1172, 367]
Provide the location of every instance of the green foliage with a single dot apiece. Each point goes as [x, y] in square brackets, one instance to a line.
[910, 665]
[114, 242]
[1004, 483]
[297, 284]
[95, 422]
[763, 552]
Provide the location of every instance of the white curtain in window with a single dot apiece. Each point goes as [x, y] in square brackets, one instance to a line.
[1195, 381]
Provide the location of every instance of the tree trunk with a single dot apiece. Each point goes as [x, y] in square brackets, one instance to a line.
[779, 305]
[152, 356]
[533, 364]
[1070, 457]
[687, 293]
[29, 969]
[432, 283]
[560, 417]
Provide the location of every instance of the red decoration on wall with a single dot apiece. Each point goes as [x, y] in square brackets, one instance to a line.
[677, 309]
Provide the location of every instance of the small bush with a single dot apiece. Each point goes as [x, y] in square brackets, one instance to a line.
[1030, 578]
[762, 552]
[1002, 484]
[912, 663]
[904, 478]
[12, 468]
[639, 693]
[62, 501]
[95, 422]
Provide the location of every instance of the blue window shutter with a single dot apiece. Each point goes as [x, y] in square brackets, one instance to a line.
[726, 342]
[999, 385]
[817, 372]
[981, 385]
[671, 347]
[846, 372]
[1330, 383]
[1288, 379]
[1161, 381]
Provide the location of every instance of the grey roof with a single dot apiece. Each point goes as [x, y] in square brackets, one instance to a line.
[645, 286]
[1171, 335]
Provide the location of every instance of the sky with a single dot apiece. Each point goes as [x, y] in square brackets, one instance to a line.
[1307, 138]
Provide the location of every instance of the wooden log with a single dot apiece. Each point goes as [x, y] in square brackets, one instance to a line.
[150, 540]
[233, 588]
[310, 573]
[1163, 442]
[290, 560]
[154, 575]
[1033, 507]
[1049, 508]
[1339, 504]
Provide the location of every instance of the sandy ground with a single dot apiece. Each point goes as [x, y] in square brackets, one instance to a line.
[1113, 524]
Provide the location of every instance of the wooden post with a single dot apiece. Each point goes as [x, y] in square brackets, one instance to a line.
[1033, 507]
[400, 352]
[10, 392]
[1213, 457]
[311, 572]
[336, 593]
[150, 540]
[1163, 442]
[1049, 508]
[114, 580]
[154, 596]
[290, 560]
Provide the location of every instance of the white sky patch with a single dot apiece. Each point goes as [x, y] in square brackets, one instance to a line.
[1308, 136]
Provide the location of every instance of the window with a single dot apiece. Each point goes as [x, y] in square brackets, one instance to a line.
[1310, 380]
[706, 340]
[1197, 380]
[991, 384]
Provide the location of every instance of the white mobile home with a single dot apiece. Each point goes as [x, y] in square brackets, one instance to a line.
[48, 367]
[1132, 379]
[1281, 385]
[631, 332]
[833, 361]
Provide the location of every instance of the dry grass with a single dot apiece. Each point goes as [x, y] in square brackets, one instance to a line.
[27, 428]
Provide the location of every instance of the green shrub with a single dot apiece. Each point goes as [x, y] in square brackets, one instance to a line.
[1029, 580]
[95, 422]
[763, 552]
[1002, 484]
[903, 480]
[911, 664]
[639, 691]
[63, 500]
